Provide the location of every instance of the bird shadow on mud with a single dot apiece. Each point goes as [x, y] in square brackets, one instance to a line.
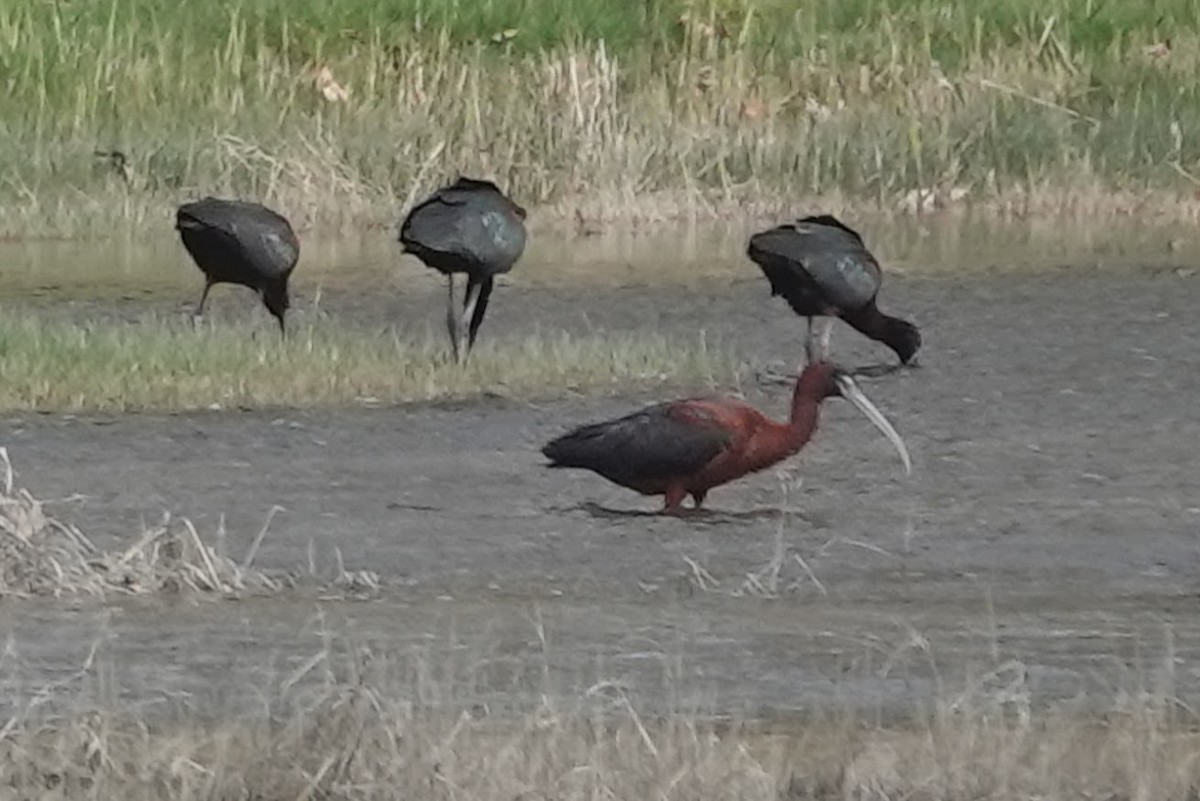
[707, 517]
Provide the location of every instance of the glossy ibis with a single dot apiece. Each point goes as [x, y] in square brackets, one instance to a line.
[238, 242]
[687, 447]
[467, 227]
[822, 268]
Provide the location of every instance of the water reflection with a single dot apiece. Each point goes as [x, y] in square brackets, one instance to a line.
[683, 255]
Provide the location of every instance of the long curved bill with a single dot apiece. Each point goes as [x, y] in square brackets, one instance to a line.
[852, 393]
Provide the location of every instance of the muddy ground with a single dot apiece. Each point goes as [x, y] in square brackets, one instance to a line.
[1052, 517]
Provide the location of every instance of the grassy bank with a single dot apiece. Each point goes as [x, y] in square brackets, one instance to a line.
[664, 108]
[57, 365]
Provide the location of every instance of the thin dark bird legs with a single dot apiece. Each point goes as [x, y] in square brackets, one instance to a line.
[199, 312]
[468, 315]
[452, 315]
[481, 304]
[466, 327]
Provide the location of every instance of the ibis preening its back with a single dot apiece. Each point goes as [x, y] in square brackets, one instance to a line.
[822, 268]
[467, 227]
[238, 242]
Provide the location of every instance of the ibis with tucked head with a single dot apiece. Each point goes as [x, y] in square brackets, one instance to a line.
[687, 447]
[239, 242]
[468, 227]
[822, 268]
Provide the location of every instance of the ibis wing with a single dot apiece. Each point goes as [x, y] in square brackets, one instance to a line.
[270, 244]
[433, 224]
[471, 221]
[830, 222]
[226, 214]
[262, 237]
[652, 444]
[817, 261]
[462, 182]
[280, 247]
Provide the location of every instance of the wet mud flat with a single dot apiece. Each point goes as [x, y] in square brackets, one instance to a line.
[1050, 531]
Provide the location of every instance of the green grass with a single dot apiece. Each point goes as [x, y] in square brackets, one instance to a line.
[609, 107]
[52, 364]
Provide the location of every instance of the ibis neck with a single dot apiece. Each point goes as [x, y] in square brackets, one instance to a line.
[777, 441]
[869, 321]
[803, 419]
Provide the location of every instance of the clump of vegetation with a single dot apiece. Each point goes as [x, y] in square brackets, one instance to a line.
[341, 113]
[344, 727]
[43, 556]
[51, 363]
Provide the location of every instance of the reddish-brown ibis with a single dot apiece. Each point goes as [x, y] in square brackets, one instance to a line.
[238, 242]
[467, 227]
[822, 268]
[687, 447]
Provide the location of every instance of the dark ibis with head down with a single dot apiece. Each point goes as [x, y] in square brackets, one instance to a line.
[238, 242]
[687, 447]
[822, 268]
[467, 227]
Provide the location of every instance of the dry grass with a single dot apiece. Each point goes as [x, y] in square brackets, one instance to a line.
[342, 113]
[352, 725]
[348, 723]
[41, 556]
[55, 364]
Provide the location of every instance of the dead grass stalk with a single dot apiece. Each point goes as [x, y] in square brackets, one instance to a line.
[355, 733]
[43, 556]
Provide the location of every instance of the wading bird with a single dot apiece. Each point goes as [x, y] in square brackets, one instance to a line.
[468, 227]
[822, 268]
[238, 242]
[687, 447]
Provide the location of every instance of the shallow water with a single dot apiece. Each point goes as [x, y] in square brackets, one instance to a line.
[1051, 519]
[673, 255]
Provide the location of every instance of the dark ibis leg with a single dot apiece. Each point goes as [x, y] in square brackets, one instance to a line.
[698, 498]
[674, 500]
[474, 288]
[199, 312]
[451, 315]
[809, 344]
[481, 304]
